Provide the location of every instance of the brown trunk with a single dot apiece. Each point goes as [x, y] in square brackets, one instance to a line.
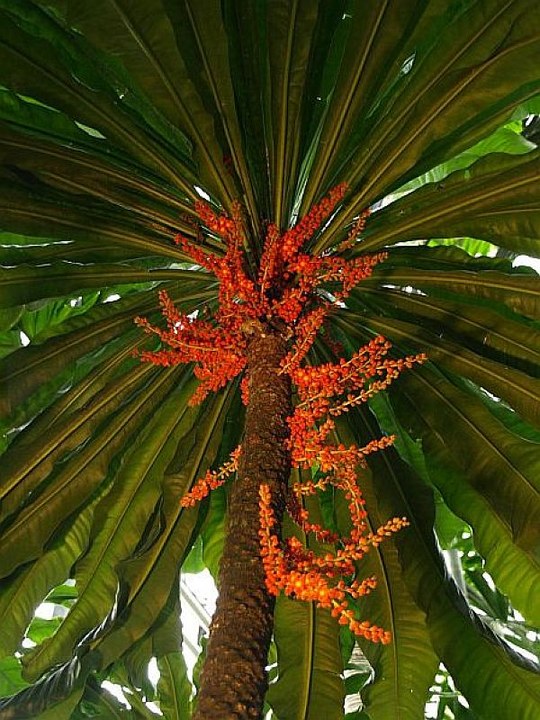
[233, 680]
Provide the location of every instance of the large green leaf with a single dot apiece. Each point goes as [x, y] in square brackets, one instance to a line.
[81, 341]
[201, 37]
[148, 40]
[149, 575]
[498, 514]
[504, 560]
[478, 662]
[121, 519]
[11, 680]
[403, 670]
[494, 199]
[47, 63]
[174, 688]
[98, 700]
[47, 160]
[501, 336]
[94, 224]
[500, 465]
[358, 64]
[80, 474]
[517, 291]
[505, 139]
[446, 78]
[24, 284]
[290, 31]
[19, 597]
[46, 700]
[519, 389]
[308, 682]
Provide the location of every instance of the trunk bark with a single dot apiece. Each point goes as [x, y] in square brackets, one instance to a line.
[234, 679]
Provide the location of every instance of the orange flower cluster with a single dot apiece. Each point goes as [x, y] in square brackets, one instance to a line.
[218, 351]
[356, 230]
[330, 389]
[324, 392]
[301, 574]
[294, 288]
[213, 479]
[287, 281]
[297, 236]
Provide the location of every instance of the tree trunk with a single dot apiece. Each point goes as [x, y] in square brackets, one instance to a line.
[234, 679]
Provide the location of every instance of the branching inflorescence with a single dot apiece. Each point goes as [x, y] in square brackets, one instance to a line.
[293, 293]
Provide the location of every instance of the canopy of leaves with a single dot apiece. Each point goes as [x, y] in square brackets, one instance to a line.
[115, 115]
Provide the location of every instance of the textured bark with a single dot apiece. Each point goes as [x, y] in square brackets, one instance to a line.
[233, 680]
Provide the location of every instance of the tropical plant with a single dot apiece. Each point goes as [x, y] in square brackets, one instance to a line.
[116, 117]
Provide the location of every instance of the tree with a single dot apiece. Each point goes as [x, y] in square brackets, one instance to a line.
[116, 117]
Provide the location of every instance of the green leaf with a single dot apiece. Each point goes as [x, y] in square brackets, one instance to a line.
[451, 469]
[290, 32]
[518, 389]
[22, 593]
[201, 38]
[100, 703]
[115, 117]
[173, 686]
[53, 68]
[81, 343]
[11, 680]
[24, 284]
[404, 669]
[507, 139]
[194, 562]
[40, 629]
[38, 136]
[479, 662]
[309, 684]
[149, 575]
[82, 471]
[144, 40]
[120, 520]
[46, 700]
[366, 53]
[495, 199]
[91, 228]
[517, 291]
[500, 335]
[454, 68]
[500, 465]
[38, 320]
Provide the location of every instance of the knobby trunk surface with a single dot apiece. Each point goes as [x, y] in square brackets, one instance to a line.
[234, 678]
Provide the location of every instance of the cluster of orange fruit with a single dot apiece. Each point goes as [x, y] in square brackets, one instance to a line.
[324, 392]
[299, 573]
[285, 292]
[283, 286]
[211, 480]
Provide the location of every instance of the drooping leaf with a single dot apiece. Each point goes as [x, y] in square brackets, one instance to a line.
[474, 202]
[309, 683]
[404, 670]
[119, 522]
[479, 660]
[149, 575]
